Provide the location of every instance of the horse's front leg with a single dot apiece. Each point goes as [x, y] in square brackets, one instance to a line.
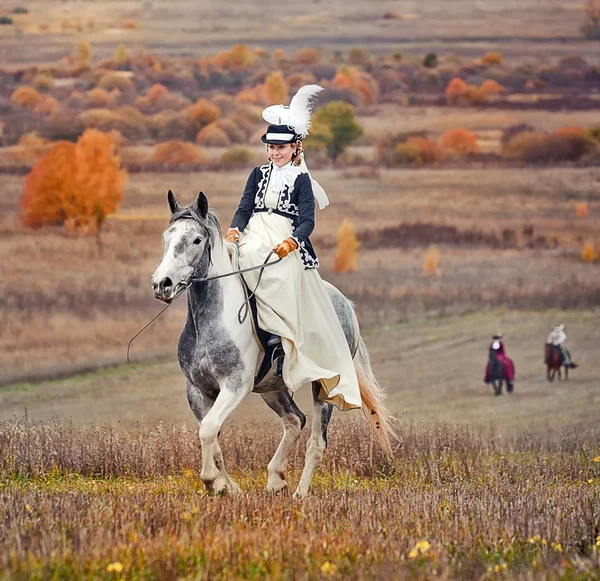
[213, 472]
[317, 442]
[293, 421]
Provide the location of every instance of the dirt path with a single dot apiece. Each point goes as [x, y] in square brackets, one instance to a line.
[433, 368]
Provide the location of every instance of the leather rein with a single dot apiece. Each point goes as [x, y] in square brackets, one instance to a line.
[183, 286]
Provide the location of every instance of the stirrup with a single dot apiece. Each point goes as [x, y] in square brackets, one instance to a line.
[274, 340]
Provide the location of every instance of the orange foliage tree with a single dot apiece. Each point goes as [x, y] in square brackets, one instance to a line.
[203, 112]
[26, 97]
[178, 153]
[156, 93]
[460, 141]
[430, 264]
[347, 245]
[456, 90]
[276, 90]
[582, 209]
[492, 87]
[76, 185]
[589, 253]
[492, 58]
[308, 56]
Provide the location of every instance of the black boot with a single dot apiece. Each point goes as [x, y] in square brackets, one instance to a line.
[274, 340]
[278, 356]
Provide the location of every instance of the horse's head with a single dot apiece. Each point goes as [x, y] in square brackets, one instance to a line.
[187, 243]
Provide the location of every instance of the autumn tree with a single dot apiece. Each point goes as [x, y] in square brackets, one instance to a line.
[589, 253]
[26, 97]
[460, 141]
[75, 185]
[431, 262]
[347, 245]
[84, 53]
[276, 89]
[335, 128]
[121, 55]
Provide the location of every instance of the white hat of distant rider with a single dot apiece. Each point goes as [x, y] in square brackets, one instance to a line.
[559, 327]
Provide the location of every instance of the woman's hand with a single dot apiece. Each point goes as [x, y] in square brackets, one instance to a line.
[233, 235]
[287, 246]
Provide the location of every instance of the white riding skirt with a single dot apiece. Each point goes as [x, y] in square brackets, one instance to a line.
[294, 304]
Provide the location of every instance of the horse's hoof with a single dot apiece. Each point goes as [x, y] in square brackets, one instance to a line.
[300, 494]
[217, 486]
[275, 486]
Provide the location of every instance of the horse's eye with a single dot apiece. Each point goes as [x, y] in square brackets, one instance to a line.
[198, 240]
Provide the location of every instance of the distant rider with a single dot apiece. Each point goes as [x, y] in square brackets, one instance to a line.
[557, 339]
[497, 346]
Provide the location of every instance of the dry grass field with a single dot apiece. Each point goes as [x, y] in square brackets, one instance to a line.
[185, 27]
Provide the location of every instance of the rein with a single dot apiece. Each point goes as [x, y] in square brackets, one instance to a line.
[192, 279]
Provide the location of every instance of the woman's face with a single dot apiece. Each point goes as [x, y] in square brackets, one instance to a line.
[281, 155]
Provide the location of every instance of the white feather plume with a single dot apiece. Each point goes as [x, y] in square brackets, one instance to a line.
[297, 115]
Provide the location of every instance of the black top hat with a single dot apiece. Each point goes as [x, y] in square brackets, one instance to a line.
[279, 134]
[497, 336]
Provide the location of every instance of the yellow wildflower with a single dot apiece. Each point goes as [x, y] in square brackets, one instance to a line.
[597, 459]
[115, 567]
[186, 516]
[328, 568]
[544, 542]
[591, 481]
[27, 508]
[558, 547]
[497, 568]
[598, 541]
[188, 473]
[420, 548]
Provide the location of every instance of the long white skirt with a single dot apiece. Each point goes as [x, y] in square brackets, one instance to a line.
[294, 304]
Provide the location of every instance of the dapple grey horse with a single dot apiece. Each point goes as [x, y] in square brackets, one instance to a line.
[219, 355]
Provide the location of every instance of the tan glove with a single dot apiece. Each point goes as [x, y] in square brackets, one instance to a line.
[287, 246]
[233, 235]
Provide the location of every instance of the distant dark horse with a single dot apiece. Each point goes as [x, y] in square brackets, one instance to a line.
[496, 374]
[554, 363]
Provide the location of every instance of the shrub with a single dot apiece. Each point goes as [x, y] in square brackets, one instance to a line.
[297, 80]
[127, 119]
[431, 262]
[347, 246]
[84, 53]
[110, 81]
[6, 20]
[43, 80]
[98, 97]
[582, 209]
[247, 118]
[492, 58]
[456, 90]
[430, 151]
[591, 24]
[26, 97]
[474, 95]
[47, 106]
[156, 93]
[131, 24]
[213, 136]
[121, 55]
[203, 112]
[492, 87]
[20, 10]
[589, 253]
[358, 56]
[276, 91]
[278, 56]
[246, 97]
[233, 131]
[430, 61]
[334, 128]
[548, 147]
[178, 153]
[224, 102]
[239, 57]
[514, 130]
[308, 56]
[74, 185]
[169, 124]
[460, 141]
[237, 157]
[407, 154]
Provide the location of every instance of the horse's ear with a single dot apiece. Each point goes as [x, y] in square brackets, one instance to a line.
[202, 204]
[174, 205]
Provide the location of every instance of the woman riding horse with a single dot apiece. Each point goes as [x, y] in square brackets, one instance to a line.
[277, 213]
[497, 346]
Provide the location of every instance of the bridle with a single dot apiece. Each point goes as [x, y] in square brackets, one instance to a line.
[189, 212]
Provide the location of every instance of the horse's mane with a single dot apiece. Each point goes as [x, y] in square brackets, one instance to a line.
[211, 222]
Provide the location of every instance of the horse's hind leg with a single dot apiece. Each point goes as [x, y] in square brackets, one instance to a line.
[293, 421]
[317, 441]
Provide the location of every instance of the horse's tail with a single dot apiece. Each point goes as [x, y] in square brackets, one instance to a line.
[373, 400]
